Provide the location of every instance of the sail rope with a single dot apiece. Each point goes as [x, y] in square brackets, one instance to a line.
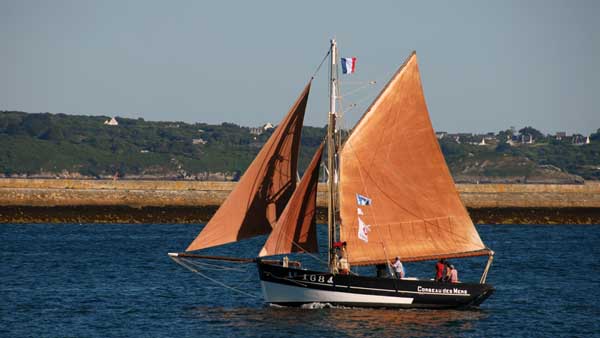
[308, 253]
[358, 89]
[321, 64]
[303, 250]
[313, 256]
[359, 103]
[208, 266]
[189, 265]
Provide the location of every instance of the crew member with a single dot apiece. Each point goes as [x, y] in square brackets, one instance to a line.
[398, 268]
[343, 264]
[448, 274]
[453, 274]
[439, 270]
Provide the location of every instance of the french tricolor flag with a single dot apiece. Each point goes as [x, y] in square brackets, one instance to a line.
[348, 65]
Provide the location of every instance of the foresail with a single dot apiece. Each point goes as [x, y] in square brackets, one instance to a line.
[393, 178]
[296, 229]
[262, 193]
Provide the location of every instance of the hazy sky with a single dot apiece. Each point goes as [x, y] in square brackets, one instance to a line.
[486, 65]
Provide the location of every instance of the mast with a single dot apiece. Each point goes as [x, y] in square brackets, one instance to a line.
[331, 153]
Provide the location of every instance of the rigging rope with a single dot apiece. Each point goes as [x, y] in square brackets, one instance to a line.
[184, 263]
[308, 253]
[356, 90]
[320, 64]
[208, 266]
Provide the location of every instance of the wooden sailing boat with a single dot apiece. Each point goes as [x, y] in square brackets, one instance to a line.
[392, 176]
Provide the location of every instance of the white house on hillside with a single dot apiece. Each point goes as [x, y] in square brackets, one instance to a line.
[111, 122]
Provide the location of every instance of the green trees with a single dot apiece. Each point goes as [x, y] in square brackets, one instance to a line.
[502, 147]
[51, 143]
[595, 136]
[53, 133]
[36, 124]
[536, 134]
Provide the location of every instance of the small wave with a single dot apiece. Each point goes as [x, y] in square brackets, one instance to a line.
[317, 305]
[276, 306]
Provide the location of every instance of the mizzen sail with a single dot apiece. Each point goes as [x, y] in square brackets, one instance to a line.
[262, 193]
[296, 229]
[393, 159]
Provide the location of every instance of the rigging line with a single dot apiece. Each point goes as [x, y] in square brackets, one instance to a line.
[212, 279]
[209, 266]
[282, 234]
[308, 253]
[358, 82]
[321, 64]
[356, 90]
[358, 103]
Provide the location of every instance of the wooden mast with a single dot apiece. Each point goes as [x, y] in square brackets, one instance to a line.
[331, 155]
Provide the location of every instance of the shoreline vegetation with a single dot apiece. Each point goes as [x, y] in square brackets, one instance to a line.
[45, 145]
[144, 201]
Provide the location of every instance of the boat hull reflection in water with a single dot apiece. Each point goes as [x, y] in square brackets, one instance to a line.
[295, 287]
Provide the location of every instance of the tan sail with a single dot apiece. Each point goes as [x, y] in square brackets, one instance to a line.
[265, 188]
[296, 229]
[393, 158]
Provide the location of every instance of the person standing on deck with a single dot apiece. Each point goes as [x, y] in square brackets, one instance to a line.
[439, 270]
[343, 264]
[398, 268]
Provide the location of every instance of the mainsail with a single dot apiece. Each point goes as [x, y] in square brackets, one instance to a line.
[262, 193]
[296, 229]
[392, 157]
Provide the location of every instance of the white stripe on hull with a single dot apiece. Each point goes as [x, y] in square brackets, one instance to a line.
[279, 293]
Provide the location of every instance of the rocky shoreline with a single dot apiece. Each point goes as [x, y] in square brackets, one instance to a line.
[201, 214]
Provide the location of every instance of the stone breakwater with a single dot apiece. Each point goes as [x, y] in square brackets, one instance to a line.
[106, 201]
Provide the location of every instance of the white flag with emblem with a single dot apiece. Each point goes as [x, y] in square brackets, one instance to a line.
[362, 200]
[363, 230]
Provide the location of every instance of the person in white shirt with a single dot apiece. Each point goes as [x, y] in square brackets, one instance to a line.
[398, 268]
[453, 274]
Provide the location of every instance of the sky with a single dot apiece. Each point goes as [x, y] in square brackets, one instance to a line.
[485, 65]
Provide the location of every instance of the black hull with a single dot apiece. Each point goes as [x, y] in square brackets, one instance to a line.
[296, 287]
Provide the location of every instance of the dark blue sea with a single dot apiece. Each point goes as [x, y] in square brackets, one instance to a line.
[91, 280]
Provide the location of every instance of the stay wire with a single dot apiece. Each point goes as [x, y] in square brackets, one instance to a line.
[178, 261]
[321, 64]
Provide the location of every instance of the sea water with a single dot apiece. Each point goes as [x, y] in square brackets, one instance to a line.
[116, 280]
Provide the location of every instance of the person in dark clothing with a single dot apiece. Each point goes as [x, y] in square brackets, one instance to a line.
[448, 274]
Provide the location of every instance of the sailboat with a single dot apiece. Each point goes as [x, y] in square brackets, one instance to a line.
[390, 194]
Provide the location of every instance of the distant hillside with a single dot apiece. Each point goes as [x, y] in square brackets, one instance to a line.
[48, 145]
[68, 145]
